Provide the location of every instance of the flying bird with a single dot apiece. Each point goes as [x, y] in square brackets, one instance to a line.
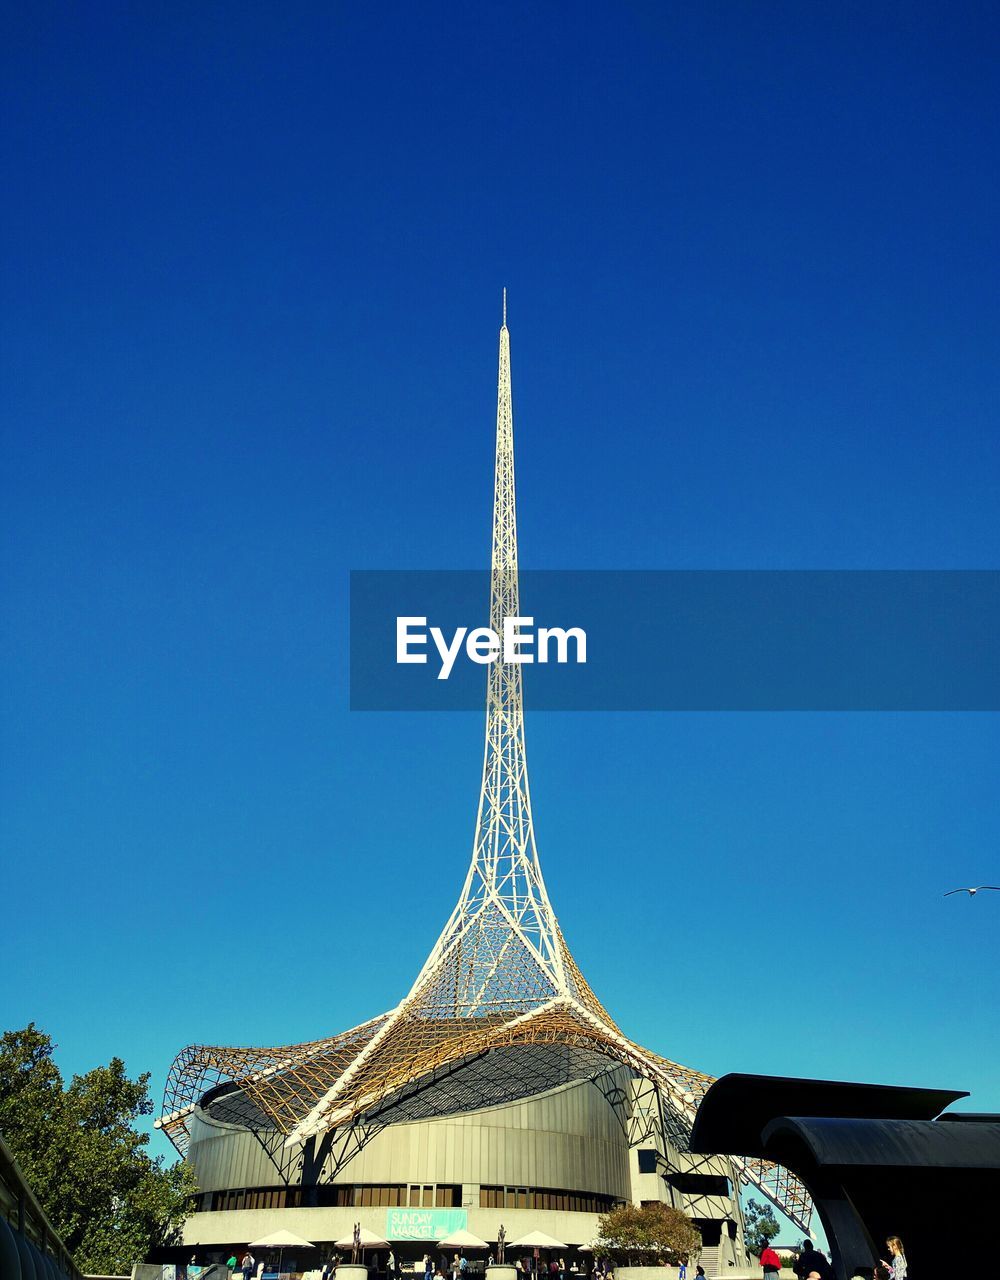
[972, 892]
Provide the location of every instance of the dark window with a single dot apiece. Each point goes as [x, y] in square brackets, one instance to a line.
[334, 1195]
[540, 1198]
[253, 1198]
[700, 1184]
[711, 1230]
[647, 1160]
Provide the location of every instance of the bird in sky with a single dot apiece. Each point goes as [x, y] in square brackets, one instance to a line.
[972, 892]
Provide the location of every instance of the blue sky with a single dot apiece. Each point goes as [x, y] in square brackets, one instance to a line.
[252, 261]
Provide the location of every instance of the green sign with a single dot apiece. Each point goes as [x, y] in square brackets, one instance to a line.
[424, 1224]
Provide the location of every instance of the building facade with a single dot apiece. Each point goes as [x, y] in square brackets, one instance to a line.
[552, 1162]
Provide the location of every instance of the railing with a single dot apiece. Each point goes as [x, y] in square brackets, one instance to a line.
[30, 1249]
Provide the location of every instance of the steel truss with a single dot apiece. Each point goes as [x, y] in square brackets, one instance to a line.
[499, 1010]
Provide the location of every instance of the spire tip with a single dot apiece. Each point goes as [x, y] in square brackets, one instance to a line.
[505, 307]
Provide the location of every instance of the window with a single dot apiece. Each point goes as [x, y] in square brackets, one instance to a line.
[543, 1198]
[255, 1198]
[336, 1195]
[700, 1184]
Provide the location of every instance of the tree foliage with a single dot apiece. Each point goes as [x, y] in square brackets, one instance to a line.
[761, 1226]
[77, 1145]
[651, 1233]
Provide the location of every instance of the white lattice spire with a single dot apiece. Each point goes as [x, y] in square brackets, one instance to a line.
[501, 946]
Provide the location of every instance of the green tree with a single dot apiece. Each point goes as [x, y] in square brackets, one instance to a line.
[648, 1233]
[761, 1226]
[109, 1200]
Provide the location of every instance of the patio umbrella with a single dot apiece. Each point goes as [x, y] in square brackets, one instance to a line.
[281, 1240]
[463, 1240]
[536, 1240]
[369, 1240]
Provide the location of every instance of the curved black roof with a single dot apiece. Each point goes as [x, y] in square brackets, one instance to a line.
[737, 1108]
[890, 1143]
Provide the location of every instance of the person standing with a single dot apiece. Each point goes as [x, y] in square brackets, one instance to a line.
[428, 1267]
[770, 1262]
[897, 1267]
[812, 1265]
[390, 1266]
[248, 1265]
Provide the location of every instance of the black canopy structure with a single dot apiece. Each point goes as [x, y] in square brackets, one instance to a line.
[878, 1160]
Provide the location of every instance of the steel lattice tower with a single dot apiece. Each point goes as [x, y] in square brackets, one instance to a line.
[499, 1010]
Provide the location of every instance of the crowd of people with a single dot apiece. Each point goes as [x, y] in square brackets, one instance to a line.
[245, 1266]
[811, 1264]
[441, 1267]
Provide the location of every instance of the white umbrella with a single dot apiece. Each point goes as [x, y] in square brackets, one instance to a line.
[369, 1240]
[281, 1240]
[536, 1240]
[463, 1240]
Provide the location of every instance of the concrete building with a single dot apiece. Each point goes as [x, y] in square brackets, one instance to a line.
[552, 1162]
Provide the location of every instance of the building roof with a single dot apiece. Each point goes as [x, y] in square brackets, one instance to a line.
[737, 1107]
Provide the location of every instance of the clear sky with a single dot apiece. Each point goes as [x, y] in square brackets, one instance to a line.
[252, 261]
